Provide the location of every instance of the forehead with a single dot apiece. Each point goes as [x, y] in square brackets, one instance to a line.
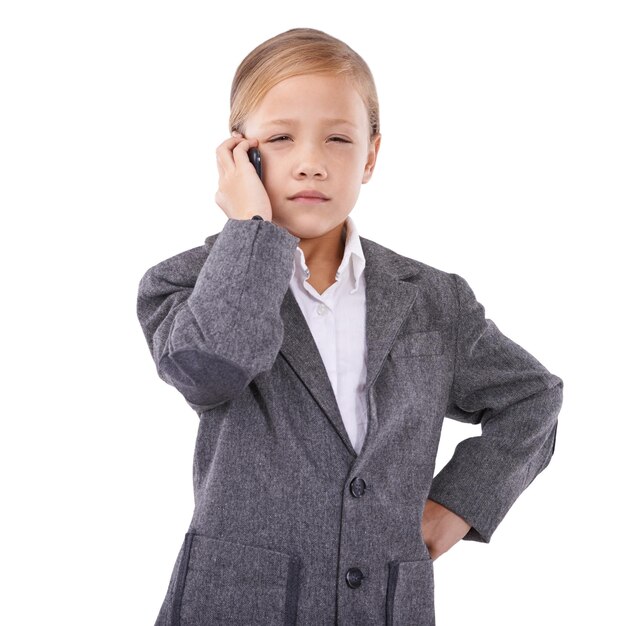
[331, 121]
[323, 99]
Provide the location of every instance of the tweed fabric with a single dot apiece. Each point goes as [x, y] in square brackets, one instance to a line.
[286, 512]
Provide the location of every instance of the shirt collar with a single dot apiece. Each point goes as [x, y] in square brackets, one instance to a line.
[352, 264]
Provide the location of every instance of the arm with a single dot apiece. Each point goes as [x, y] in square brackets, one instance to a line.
[516, 400]
[213, 322]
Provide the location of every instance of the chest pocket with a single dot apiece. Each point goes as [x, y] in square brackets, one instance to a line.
[421, 343]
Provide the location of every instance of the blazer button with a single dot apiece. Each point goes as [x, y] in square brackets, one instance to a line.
[357, 487]
[354, 576]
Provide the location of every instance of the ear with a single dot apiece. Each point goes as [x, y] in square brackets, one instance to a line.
[372, 153]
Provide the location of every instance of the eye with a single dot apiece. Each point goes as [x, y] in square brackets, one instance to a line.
[282, 137]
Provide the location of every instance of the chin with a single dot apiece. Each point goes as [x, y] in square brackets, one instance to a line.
[307, 226]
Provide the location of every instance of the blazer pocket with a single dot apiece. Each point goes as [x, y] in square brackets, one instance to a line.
[420, 343]
[411, 593]
[220, 582]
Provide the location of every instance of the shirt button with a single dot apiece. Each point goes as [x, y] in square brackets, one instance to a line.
[357, 487]
[354, 576]
[322, 309]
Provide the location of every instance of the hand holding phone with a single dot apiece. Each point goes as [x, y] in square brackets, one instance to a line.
[241, 193]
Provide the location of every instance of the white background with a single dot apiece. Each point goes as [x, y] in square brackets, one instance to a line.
[503, 160]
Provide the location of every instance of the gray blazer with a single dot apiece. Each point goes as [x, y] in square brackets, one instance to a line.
[290, 525]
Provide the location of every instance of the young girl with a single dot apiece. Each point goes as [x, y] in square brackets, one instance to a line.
[321, 365]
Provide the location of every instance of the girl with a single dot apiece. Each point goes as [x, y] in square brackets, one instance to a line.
[321, 365]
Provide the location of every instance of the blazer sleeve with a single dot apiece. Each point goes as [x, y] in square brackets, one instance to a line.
[516, 400]
[212, 320]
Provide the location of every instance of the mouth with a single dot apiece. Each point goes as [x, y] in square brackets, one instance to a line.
[309, 196]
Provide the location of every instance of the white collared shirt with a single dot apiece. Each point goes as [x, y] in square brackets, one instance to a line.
[336, 319]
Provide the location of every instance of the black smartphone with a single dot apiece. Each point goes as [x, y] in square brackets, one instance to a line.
[255, 159]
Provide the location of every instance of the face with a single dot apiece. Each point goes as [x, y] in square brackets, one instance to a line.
[313, 134]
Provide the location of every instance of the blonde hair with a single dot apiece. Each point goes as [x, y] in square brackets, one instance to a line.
[293, 53]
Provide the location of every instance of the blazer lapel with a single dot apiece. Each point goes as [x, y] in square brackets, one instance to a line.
[300, 350]
[388, 302]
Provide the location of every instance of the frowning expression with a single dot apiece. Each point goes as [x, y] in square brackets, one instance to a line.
[314, 137]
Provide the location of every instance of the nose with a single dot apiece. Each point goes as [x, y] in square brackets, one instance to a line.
[309, 164]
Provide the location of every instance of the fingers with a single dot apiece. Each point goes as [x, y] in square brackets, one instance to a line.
[239, 189]
[240, 153]
[224, 154]
[234, 152]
